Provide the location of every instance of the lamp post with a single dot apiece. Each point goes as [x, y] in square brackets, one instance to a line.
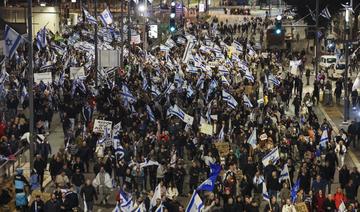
[317, 42]
[346, 46]
[96, 45]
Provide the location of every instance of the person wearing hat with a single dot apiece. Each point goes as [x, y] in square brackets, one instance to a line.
[37, 205]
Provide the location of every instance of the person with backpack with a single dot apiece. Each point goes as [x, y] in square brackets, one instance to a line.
[20, 182]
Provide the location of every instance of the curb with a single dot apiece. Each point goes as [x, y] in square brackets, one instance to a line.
[336, 129]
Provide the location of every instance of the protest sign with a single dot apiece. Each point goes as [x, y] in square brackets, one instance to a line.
[223, 148]
[101, 125]
[206, 129]
[76, 72]
[46, 77]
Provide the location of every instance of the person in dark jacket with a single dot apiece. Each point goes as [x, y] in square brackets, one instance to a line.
[351, 190]
[52, 204]
[89, 193]
[71, 199]
[329, 204]
[40, 166]
[37, 205]
[344, 176]
[274, 206]
[78, 180]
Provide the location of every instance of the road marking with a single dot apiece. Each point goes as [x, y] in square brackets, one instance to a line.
[336, 129]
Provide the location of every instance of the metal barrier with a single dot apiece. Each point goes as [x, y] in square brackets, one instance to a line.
[7, 169]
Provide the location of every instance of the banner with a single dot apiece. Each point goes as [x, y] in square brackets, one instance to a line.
[46, 77]
[101, 125]
[206, 129]
[76, 72]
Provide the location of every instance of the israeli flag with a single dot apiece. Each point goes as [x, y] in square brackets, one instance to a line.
[200, 81]
[170, 43]
[247, 101]
[154, 90]
[127, 94]
[160, 208]
[12, 40]
[181, 40]
[284, 174]
[156, 196]
[189, 91]
[237, 46]
[212, 86]
[176, 111]
[265, 193]
[221, 135]
[324, 138]
[249, 76]
[325, 13]
[106, 17]
[223, 70]
[126, 202]
[252, 140]
[164, 48]
[91, 19]
[273, 156]
[294, 190]
[61, 79]
[229, 99]
[195, 204]
[87, 112]
[145, 84]
[141, 208]
[41, 41]
[244, 66]
[274, 80]
[208, 184]
[24, 94]
[150, 113]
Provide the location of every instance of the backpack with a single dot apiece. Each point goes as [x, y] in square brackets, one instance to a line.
[4, 197]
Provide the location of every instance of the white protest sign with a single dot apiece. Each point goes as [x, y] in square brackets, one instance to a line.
[135, 39]
[45, 77]
[101, 125]
[188, 119]
[76, 72]
[206, 129]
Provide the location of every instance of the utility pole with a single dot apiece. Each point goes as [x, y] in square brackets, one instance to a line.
[144, 27]
[30, 89]
[122, 35]
[346, 46]
[96, 45]
[317, 42]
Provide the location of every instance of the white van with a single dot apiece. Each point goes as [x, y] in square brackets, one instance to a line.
[326, 61]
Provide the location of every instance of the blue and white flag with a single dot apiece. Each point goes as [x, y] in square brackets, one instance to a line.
[154, 90]
[189, 91]
[249, 76]
[164, 48]
[61, 79]
[247, 101]
[215, 169]
[243, 65]
[252, 140]
[284, 174]
[200, 81]
[156, 196]
[324, 138]
[125, 201]
[145, 84]
[4, 76]
[212, 87]
[231, 102]
[208, 184]
[195, 204]
[274, 80]
[141, 208]
[127, 94]
[176, 111]
[325, 13]
[24, 94]
[265, 193]
[106, 17]
[221, 135]
[91, 19]
[150, 113]
[223, 70]
[273, 156]
[87, 112]
[294, 190]
[41, 40]
[12, 40]
[160, 208]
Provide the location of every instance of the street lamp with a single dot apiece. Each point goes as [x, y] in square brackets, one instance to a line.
[141, 8]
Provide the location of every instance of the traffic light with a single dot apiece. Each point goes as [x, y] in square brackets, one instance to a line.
[172, 25]
[278, 25]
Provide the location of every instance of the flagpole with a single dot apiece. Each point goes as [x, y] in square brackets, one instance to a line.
[317, 41]
[96, 45]
[31, 80]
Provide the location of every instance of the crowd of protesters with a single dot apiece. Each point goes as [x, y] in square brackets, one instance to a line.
[160, 103]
